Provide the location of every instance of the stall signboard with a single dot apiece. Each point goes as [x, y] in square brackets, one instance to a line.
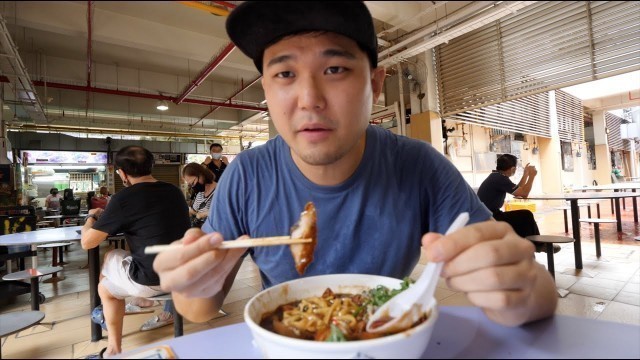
[167, 158]
[64, 157]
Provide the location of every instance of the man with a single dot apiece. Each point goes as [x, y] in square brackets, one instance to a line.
[494, 189]
[216, 162]
[376, 193]
[148, 212]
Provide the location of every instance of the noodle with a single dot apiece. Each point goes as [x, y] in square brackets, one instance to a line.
[315, 318]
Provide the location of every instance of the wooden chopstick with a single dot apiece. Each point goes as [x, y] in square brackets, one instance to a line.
[242, 243]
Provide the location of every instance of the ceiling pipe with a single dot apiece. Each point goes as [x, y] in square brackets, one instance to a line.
[150, 133]
[208, 8]
[205, 72]
[89, 51]
[229, 99]
[142, 95]
[89, 5]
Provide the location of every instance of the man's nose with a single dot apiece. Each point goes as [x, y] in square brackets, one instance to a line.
[311, 94]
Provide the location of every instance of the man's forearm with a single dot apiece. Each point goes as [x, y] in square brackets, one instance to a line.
[198, 310]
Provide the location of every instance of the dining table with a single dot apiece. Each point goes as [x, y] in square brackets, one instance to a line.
[459, 332]
[62, 234]
[616, 187]
[573, 198]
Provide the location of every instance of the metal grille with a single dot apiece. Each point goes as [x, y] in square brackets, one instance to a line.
[570, 117]
[613, 126]
[546, 46]
[529, 115]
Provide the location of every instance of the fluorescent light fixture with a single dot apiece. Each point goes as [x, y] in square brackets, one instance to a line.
[162, 105]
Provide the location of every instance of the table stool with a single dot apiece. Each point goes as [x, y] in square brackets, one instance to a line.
[589, 203]
[34, 275]
[565, 208]
[11, 323]
[548, 241]
[596, 229]
[57, 258]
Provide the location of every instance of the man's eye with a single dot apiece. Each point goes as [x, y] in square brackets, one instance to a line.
[284, 74]
[335, 70]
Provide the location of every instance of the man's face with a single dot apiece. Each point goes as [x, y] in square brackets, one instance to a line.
[320, 88]
[216, 152]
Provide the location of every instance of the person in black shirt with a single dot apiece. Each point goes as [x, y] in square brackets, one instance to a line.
[216, 162]
[148, 212]
[494, 189]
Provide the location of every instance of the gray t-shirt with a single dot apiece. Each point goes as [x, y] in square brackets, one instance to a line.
[372, 223]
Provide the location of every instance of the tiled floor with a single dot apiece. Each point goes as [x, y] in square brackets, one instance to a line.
[607, 288]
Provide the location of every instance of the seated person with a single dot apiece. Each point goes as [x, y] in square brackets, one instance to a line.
[101, 200]
[494, 189]
[148, 212]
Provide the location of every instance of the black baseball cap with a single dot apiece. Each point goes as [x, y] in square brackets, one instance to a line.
[255, 25]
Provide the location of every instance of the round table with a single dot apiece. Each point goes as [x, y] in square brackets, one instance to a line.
[11, 323]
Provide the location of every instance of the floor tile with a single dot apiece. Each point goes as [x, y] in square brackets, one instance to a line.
[619, 312]
[582, 306]
[630, 298]
[593, 291]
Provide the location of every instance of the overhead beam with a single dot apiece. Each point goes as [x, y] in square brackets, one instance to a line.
[243, 88]
[205, 72]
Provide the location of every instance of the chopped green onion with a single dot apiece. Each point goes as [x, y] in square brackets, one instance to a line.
[336, 335]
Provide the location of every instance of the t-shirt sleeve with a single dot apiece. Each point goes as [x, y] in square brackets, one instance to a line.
[225, 213]
[111, 220]
[505, 184]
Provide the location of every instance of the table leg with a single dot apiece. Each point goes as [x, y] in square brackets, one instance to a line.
[35, 290]
[618, 214]
[34, 259]
[635, 208]
[94, 278]
[575, 225]
[550, 265]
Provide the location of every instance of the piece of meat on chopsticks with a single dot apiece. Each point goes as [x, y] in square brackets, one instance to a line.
[305, 228]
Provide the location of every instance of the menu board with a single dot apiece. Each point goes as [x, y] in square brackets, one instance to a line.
[64, 157]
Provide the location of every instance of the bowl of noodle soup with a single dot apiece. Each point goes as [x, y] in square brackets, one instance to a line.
[300, 294]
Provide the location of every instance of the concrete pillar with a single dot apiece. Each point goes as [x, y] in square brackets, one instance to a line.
[550, 154]
[603, 158]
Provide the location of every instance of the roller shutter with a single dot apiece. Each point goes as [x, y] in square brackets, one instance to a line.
[545, 46]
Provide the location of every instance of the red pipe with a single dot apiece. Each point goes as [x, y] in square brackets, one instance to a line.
[140, 95]
[243, 88]
[205, 72]
[89, 43]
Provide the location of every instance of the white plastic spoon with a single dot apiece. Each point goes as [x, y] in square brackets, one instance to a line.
[406, 308]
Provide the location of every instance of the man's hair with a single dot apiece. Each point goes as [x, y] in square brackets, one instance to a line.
[104, 190]
[506, 162]
[53, 190]
[215, 145]
[197, 170]
[135, 161]
[255, 25]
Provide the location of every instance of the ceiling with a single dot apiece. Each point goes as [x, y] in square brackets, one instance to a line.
[137, 53]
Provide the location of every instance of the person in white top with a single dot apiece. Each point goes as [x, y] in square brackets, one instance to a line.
[52, 201]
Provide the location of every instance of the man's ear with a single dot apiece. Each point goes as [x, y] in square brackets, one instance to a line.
[377, 82]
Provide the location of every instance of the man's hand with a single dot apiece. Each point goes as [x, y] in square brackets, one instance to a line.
[197, 269]
[97, 212]
[532, 171]
[225, 160]
[497, 271]
[207, 160]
